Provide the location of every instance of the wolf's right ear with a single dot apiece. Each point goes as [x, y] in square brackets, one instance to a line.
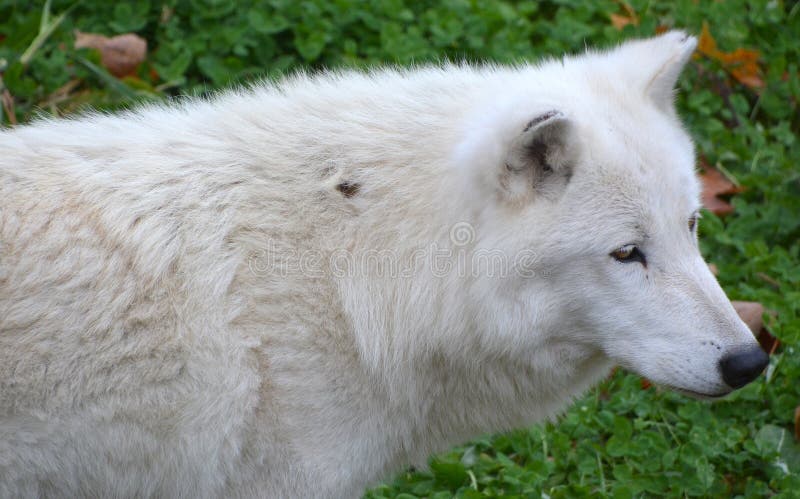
[654, 64]
[539, 160]
[661, 86]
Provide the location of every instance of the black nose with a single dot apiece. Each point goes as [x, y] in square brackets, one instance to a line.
[743, 366]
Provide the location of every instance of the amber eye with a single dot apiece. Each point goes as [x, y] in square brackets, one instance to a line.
[692, 223]
[629, 254]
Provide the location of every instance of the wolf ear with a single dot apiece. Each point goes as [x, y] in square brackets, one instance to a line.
[669, 52]
[539, 159]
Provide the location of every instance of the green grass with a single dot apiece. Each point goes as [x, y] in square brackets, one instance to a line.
[619, 440]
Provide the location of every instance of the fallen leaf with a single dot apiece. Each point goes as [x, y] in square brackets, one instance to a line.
[620, 21]
[768, 342]
[797, 423]
[645, 383]
[715, 184]
[742, 63]
[120, 55]
[750, 313]
[629, 16]
[706, 44]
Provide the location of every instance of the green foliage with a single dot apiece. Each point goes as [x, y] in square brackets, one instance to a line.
[620, 440]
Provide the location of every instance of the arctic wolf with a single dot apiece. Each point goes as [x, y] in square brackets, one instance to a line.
[297, 289]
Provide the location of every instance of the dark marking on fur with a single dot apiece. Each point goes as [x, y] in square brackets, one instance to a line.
[348, 189]
[544, 117]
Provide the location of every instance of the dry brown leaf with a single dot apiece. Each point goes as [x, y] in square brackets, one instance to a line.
[750, 312]
[629, 16]
[742, 64]
[768, 342]
[120, 55]
[706, 44]
[797, 423]
[715, 185]
[619, 21]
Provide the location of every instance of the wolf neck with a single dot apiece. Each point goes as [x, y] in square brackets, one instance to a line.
[465, 399]
[431, 404]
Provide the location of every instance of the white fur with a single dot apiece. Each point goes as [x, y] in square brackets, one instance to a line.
[158, 336]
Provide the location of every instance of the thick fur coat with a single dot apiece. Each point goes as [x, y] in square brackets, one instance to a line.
[298, 289]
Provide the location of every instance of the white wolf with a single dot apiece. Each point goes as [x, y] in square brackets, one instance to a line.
[293, 290]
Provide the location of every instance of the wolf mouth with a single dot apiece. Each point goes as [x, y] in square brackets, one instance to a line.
[699, 395]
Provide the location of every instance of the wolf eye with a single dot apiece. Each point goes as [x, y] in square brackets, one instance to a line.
[693, 223]
[628, 254]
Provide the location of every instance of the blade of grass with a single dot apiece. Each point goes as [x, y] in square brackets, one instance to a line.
[46, 29]
[45, 16]
[107, 79]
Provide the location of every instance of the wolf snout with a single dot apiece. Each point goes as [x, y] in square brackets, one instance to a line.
[743, 366]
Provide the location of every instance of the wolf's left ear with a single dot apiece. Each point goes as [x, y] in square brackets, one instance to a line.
[539, 160]
[662, 59]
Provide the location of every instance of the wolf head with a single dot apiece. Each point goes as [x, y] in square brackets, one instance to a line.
[583, 166]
